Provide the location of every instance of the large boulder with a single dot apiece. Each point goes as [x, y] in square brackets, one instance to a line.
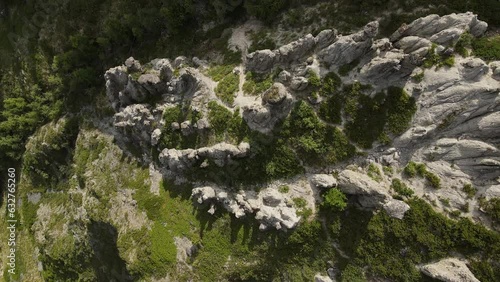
[449, 270]
[323, 181]
[370, 193]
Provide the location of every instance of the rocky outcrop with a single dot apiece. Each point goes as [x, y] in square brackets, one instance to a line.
[271, 208]
[276, 105]
[323, 181]
[349, 48]
[396, 208]
[445, 30]
[136, 123]
[370, 193]
[220, 154]
[449, 270]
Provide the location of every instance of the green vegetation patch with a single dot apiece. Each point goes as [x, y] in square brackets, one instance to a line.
[227, 88]
[334, 200]
[412, 169]
[314, 141]
[374, 172]
[469, 190]
[433, 59]
[487, 48]
[371, 119]
[256, 84]
[173, 138]
[401, 188]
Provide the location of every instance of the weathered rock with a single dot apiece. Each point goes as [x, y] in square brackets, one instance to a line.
[449, 270]
[296, 50]
[133, 65]
[299, 83]
[370, 193]
[221, 153]
[261, 61]
[138, 120]
[263, 118]
[155, 136]
[284, 77]
[323, 181]
[320, 278]
[269, 206]
[275, 95]
[474, 69]
[396, 208]
[444, 30]
[325, 38]
[349, 48]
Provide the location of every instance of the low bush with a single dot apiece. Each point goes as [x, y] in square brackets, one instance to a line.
[334, 200]
[469, 190]
[256, 84]
[487, 48]
[399, 187]
[227, 88]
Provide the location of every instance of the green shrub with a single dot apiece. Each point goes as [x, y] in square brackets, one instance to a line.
[487, 48]
[433, 180]
[334, 200]
[463, 43]
[399, 187]
[374, 172]
[256, 84]
[469, 190]
[419, 76]
[410, 169]
[492, 208]
[284, 189]
[353, 273]
[299, 203]
[217, 73]
[227, 87]
[313, 78]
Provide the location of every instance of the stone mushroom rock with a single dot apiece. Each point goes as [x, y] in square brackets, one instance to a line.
[323, 181]
[449, 270]
[396, 208]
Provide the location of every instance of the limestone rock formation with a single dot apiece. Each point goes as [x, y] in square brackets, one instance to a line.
[270, 207]
[371, 194]
[221, 153]
[323, 181]
[349, 48]
[449, 270]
